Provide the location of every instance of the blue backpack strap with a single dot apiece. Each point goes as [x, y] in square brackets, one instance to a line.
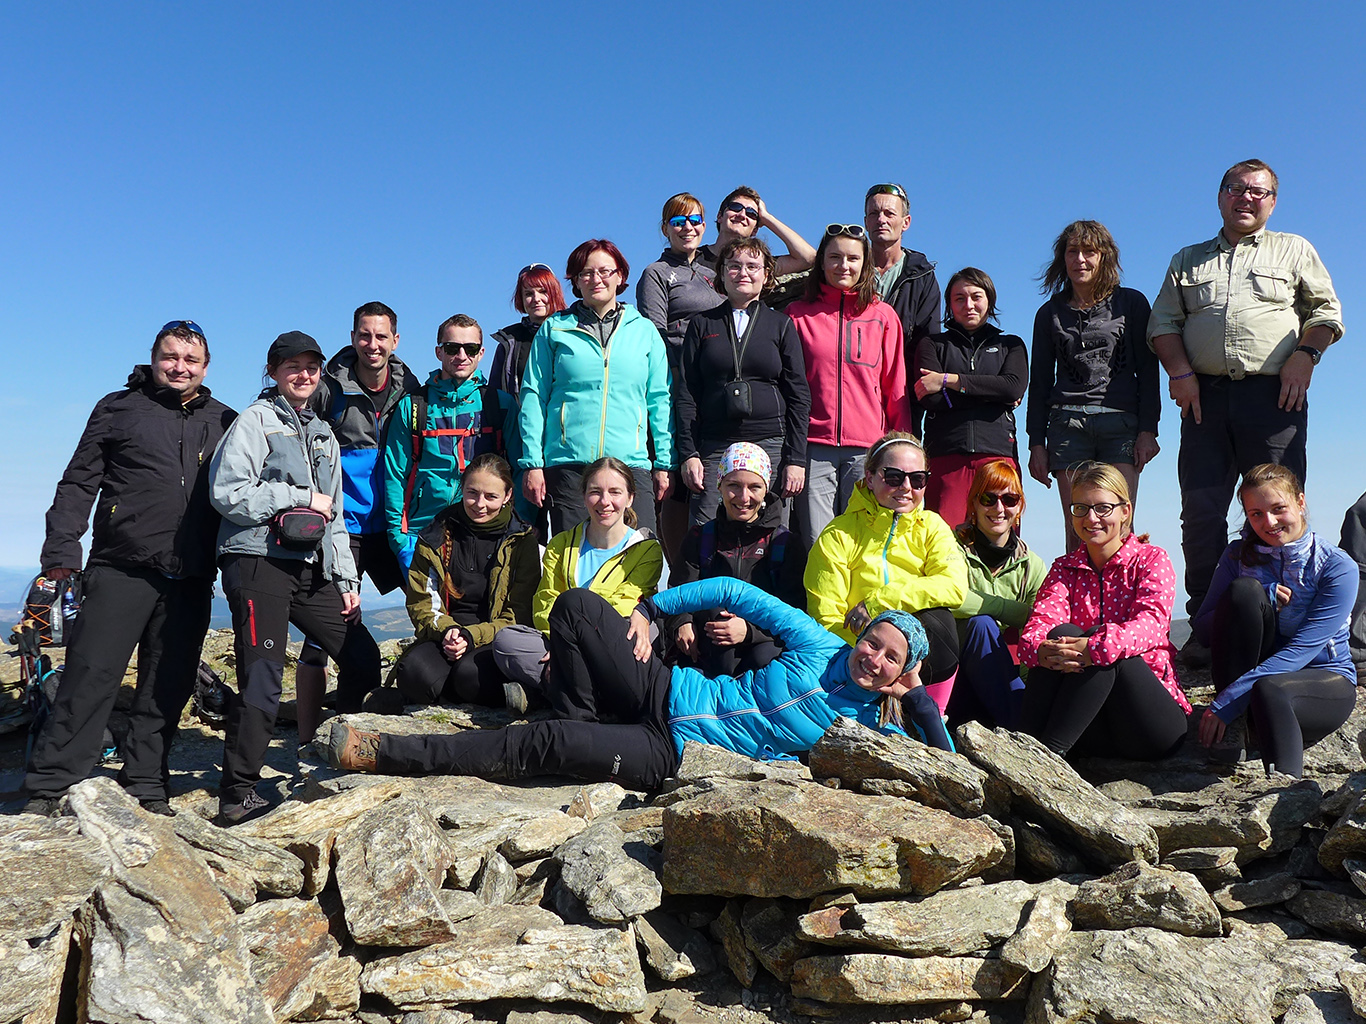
[777, 547]
[707, 545]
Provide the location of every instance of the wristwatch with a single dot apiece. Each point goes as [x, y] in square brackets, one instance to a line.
[1314, 354]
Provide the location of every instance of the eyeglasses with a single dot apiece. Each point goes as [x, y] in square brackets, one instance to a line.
[893, 477]
[587, 274]
[1237, 188]
[748, 211]
[188, 325]
[1102, 509]
[695, 219]
[988, 500]
[533, 266]
[470, 348]
[889, 188]
[852, 230]
[752, 269]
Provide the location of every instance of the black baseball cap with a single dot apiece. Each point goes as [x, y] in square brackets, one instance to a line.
[292, 343]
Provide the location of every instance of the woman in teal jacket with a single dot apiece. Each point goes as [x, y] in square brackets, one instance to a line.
[596, 383]
[624, 717]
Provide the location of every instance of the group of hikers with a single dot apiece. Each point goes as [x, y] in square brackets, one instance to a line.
[821, 451]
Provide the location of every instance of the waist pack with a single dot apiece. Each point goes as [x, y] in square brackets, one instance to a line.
[300, 528]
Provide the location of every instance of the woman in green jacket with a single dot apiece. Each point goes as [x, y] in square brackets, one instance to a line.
[473, 574]
[1003, 577]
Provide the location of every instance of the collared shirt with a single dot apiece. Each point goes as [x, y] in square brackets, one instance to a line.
[741, 318]
[1241, 309]
[883, 282]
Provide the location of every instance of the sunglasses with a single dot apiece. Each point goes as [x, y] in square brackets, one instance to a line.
[748, 211]
[1102, 509]
[176, 325]
[988, 500]
[889, 188]
[533, 266]
[470, 348]
[852, 230]
[893, 477]
[695, 219]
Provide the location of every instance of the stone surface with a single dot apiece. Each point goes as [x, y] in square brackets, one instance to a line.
[1352, 978]
[1040, 855]
[1046, 789]
[797, 840]
[47, 870]
[1261, 892]
[570, 963]
[727, 930]
[701, 761]
[770, 931]
[1347, 838]
[1200, 858]
[272, 870]
[31, 971]
[883, 979]
[497, 882]
[1259, 824]
[1047, 923]
[295, 960]
[596, 798]
[158, 940]
[1139, 895]
[1331, 912]
[673, 951]
[854, 754]
[391, 861]
[540, 837]
[615, 881]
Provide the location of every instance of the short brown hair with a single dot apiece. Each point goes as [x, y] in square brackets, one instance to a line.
[374, 309]
[1251, 167]
[184, 334]
[459, 320]
[971, 275]
[1083, 233]
[681, 204]
[755, 247]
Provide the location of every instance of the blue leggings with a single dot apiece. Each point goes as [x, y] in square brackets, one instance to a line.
[989, 689]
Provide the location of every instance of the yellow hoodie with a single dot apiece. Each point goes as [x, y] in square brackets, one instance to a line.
[886, 560]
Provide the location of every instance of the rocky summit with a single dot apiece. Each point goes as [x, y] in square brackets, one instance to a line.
[880, 881]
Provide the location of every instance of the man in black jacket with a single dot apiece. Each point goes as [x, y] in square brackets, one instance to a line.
[904, 277]
[149, 581]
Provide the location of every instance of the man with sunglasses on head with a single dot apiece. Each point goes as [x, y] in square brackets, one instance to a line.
[741, 215]
[435, 433]
[1239, 325]
[903, 277]
[143, 462]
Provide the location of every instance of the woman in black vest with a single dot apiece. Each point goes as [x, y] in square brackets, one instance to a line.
[743, 379]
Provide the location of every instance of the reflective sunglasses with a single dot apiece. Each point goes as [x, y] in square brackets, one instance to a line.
[889, 188]
[893, 477]
[852, 230]
[988, 500]
[470, 348]
[1102, 509]
[748, 211]
[695, 219]
[533, 266]
[176, 325]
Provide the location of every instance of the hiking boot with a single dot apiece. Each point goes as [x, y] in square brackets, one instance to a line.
[44, 806]
[351, 749]
[253, 806]
[1194, 655]
[156, 805]
[1232, 749]
[514, 698]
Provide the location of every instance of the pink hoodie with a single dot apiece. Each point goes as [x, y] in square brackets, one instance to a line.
[856, 365]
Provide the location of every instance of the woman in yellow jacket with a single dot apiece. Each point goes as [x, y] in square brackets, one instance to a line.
[605, 553]
[887, 551]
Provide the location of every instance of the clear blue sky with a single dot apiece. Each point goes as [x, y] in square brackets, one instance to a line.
[261, 168]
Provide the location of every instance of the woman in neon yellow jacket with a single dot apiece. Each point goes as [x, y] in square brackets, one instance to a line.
[887, 551]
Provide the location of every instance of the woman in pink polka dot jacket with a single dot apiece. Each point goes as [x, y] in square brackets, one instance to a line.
[1101, 680]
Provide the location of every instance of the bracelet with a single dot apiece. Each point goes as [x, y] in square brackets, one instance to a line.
[944, 386]
[1183, 376]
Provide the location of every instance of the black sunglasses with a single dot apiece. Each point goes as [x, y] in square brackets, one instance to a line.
[988, 500]
[893, 477]
[748, 211]
[470, 348]
[176, 325]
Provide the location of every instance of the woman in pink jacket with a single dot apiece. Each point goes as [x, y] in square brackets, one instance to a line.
[1101, 679]
[856, 366]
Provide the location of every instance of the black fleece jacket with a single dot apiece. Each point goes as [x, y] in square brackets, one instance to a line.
[977, 417]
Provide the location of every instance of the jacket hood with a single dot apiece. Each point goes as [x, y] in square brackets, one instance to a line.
[342, 367]
[141, 379]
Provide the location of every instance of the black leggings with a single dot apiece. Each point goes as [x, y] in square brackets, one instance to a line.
[424, 676]
[941, 629]
[1289, 710]
[1120, 710]
[613, 714]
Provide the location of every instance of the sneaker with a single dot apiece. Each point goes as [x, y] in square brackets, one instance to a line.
[1194, 655]
[156, 805]
[1232, 749]
[351, 749]
[253, 805]
[44, 806]
[514, 697]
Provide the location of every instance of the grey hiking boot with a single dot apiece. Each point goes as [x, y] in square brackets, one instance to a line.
[253, 806]
[44, 806]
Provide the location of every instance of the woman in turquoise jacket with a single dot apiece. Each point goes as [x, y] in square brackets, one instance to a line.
[596, 383]
[624, 716]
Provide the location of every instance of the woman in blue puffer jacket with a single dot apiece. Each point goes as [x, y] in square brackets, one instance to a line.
[624, 716]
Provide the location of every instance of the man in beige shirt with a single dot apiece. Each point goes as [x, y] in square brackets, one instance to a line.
[1239, 325]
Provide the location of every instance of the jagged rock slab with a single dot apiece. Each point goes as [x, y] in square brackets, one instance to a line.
[390, 865]
[880, 978]
[295, 959]
[1352, 978]
[596, 798]
[273, 871]
[1339, 753]
[541, 837]
[571, 963]
[1346, 839]
[855, 754]
[1331, 912]
[701, 762]
[1040, 854]
[1141, 896]
[1312, 967]
[1259, 824]
[1004, 868]
[1261, 892]
[47, 870]
[795, 840]
[1047, 924]
[31, 971]
[727, 930]
[1046, 789]
[1355, 867]
[672, 949]
[770, 930]
[497, 882]
[948, 923]
[158, 940]
[614, 883]
[1200, 858]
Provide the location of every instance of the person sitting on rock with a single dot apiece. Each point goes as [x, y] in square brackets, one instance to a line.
[623, 717]
[748, 541]
[1275, 619]
[888, 551]
[473, 574]
[1101, 679]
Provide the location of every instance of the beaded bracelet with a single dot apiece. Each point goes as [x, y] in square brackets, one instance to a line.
[1183, 376]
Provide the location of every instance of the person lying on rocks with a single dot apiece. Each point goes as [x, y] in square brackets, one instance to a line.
[624, 717]
[1101, 680]
[1276, 621]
